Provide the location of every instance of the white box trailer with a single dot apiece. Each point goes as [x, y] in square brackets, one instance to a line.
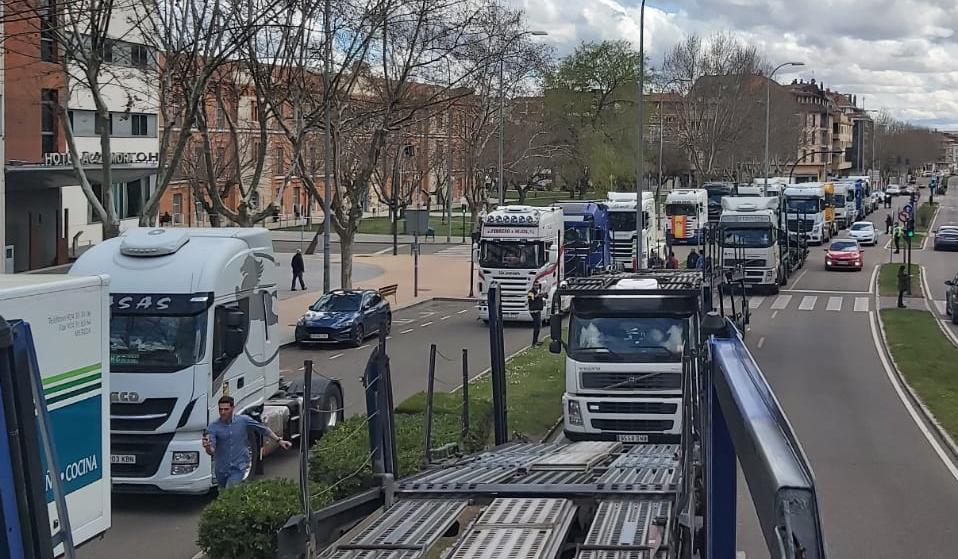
[69, 319]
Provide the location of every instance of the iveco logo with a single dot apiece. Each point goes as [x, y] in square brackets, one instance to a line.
[124, 397]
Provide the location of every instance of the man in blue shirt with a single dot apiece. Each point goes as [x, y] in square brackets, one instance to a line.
[228, 443]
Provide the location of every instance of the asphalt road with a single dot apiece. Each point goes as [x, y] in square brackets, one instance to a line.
[882, 488]
[165, 526]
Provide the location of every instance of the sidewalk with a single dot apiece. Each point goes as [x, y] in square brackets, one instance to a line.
[439, 277]
[295, 236]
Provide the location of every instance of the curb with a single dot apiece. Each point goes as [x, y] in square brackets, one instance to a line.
[927, 416]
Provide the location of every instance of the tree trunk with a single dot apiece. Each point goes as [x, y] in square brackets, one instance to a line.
[346, 259]
[110, 230]
[522, 192]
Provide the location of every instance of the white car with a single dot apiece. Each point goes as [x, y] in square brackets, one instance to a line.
[893, 190]
[864, 232]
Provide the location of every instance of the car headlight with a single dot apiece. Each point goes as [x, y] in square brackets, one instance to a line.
[301, 321]
[575, 413]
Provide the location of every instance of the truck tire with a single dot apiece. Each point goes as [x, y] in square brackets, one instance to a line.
[954, 315]
[256, 460]
[330, 413]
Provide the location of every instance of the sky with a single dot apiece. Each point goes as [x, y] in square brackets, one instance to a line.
[896, 55]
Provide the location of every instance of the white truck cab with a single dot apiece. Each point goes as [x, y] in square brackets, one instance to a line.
[519, 246]
[686, 211]
[749, 237]
[805, 212]
[623, 225]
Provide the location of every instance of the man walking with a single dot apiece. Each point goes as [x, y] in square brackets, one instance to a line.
[536, 303]
[228, 443]
[897, 235]
[902, 285]
[299, 267]
[888, 223]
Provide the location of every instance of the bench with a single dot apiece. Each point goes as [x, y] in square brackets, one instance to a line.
[430, 232]
[390, 291]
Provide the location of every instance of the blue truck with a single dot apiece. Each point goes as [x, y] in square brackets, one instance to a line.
[588, 238]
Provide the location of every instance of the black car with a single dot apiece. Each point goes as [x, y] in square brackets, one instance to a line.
[946, 237]
[951, 299]
[345, 316]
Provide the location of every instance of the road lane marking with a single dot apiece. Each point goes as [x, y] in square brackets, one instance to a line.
[774, 314]
[800, 276]
[424, 324]
[940, 305]
[906, 401]
[337, 356]
[834, 304]
[402, 321]
[761, 342]
[825, 291]
[462, 311]
[781, 302]
[755, 302]
[364, 346]
[384, 251]
[808, 303]
[407, 331]
[861, 304]
[445, 317]
[871, 281]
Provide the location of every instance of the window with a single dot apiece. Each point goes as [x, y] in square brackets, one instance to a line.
[156, 344]
[279, 162]
[253, 111]
[128, 198]
[108, 50]
[48, 17]
[140, 125]
[139, 56]
[220, 116]
[177, 208]
[221, 327]
[49, 99]
[98, 124]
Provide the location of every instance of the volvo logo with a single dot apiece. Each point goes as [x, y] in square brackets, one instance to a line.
[124, 397]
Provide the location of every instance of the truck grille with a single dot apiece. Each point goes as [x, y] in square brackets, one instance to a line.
[746, 262]
[148, 450]
[793, 225]
[514, 291]
[623, 249]
[633, 407]
[632, 381]
[145, 416]
[633, 425]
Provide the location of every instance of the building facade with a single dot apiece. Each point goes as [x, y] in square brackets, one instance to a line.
[48, 217]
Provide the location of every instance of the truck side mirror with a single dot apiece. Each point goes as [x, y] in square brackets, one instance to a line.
[555, 332]
[553, 254]
[235, 318]
[234, 343]
[949, 283]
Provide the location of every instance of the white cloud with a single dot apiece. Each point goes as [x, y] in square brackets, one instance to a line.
[897, 54]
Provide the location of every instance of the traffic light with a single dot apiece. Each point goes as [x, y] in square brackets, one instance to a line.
[910, 228]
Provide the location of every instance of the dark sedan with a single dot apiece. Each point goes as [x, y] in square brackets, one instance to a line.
[345, 316]
[946, 237]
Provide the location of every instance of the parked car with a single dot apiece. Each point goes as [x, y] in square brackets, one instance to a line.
[345, 316]
[893, 190]
[951, 299]
[946, 237]
[926, 174]
[845, 254]
[878, 198]
[864, 232]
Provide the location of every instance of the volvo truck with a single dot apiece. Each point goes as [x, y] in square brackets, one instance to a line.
[686, 212]
[587, 238]
[61, 329]
[750, 241]
[193, 317]
[519, 246]
[622, 222]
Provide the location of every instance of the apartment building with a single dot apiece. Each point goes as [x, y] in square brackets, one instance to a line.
[47, 216]
[819, 117]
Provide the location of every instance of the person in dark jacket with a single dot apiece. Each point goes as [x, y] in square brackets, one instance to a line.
[536, 304]
[888, 223]
[902, 285]
[692, 259]
[673, 262]
[299, 267]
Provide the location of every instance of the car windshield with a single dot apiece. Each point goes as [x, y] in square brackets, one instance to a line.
[747, 237]
[622, 221]
[803, 205]
[844, 246]
[862, 226]
[680, 209]
[631, 339]
[578, 237]
[338, 302]
[511, 254]
[156, 344]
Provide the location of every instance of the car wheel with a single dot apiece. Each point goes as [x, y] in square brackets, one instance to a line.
[359, 337]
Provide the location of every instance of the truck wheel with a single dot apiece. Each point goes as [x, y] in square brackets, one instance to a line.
[256, 461]
[330, 413]
[954, 316]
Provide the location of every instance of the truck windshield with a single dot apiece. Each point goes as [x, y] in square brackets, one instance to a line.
[803, 205]
[578, 237]
[746, 237]
[622, 221]
[626, 339]
[155, 344]
[680, 209]
[839, 199]
[511, 254]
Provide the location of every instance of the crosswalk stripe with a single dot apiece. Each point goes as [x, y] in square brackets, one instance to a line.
[808, 303]
[755, 302]
[940, 305]
[781, 302]
[834, 304]
[861, 304]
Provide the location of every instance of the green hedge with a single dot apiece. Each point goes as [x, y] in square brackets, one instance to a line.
[242, 523]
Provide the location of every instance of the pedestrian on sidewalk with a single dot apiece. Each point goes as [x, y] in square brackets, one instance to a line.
[536, 303]
[888, 223]
[673, 262]
[227, 441]
[897, 239]
[299, 267]
[902, 285]
[692, 260]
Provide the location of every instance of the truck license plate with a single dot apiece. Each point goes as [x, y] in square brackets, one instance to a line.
[632, 438]
[123, 459]
[319, 336]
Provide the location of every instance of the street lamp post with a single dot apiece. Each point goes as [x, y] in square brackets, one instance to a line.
[768, 102]
[640, 152]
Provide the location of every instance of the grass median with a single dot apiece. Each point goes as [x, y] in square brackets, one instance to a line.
[888, 280]
[927, 360]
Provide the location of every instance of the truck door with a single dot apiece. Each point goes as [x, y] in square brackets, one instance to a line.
[231, 373]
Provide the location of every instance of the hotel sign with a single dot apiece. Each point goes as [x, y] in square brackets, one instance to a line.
[96, 158]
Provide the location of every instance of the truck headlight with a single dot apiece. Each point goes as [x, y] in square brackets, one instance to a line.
[575, 413]
[184, 462]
